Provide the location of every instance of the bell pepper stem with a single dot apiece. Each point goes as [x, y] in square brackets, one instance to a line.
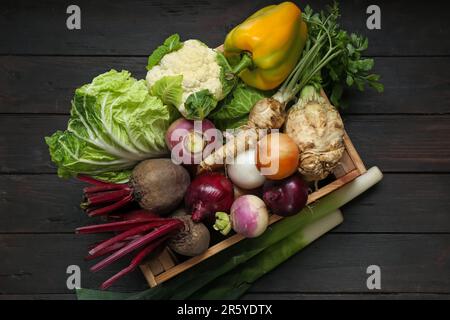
[246, 62]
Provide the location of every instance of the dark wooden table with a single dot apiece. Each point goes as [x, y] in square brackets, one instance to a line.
[401, 225]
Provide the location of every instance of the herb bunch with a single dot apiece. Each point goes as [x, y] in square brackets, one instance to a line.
[339, 60]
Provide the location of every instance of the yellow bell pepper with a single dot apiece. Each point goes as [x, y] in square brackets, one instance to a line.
[273, 38]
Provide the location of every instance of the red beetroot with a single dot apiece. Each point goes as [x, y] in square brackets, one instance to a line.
[207, 194]
[157, 185]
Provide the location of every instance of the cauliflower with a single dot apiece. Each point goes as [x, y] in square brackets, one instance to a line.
[190, 76]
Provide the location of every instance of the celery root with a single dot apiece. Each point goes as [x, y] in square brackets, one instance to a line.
[318, 130]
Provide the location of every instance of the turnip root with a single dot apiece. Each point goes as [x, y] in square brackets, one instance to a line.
[248, 217]
[158, 185]
[317, 129]
[192, 240]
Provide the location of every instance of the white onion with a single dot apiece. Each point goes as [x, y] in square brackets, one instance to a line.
[244, 173]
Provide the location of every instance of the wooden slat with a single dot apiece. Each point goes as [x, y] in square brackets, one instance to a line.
[334, 263]
[38, 296]
[338, 263]
[120, 28]
[270, 296]
[346, 296]
[399, 203]
[51, 81]
[345, 165]
[33, 263]
[394, 143]
[353, 154]
[40, 203]
[402, 144]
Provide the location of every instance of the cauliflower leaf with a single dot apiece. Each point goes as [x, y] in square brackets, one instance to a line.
[169, 89]
[199, 104]
[171, 44]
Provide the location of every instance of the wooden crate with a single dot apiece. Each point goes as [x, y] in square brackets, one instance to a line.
[165, 265]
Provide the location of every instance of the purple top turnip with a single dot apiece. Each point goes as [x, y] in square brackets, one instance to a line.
[248, 217]
[188, 139]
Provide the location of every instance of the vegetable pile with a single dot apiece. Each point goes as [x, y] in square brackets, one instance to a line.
[150, 149]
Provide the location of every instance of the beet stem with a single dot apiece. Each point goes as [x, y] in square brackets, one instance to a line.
[91, 180]
[116, 246]
[134, 263]
[157, 233]
[104, 197]
[118, 226]
[91, 246]
[103, 188]
[117, 205]
[131, 232]
[140, 214]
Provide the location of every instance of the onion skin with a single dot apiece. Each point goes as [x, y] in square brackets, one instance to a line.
[244, 173]
[249, 216]
[277, 156]
[207, 194]
[286, 197]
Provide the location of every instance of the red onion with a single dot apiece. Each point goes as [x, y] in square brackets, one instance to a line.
[208, 194]
[188, 139]
[286, 197]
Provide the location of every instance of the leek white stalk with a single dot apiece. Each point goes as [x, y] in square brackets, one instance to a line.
[236, 282]
[193, 280]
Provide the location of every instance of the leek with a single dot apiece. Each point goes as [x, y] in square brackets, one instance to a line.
[189, 282]
[235, 283]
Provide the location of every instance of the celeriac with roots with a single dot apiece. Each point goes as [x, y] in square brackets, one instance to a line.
[313, 123]
[275, 74]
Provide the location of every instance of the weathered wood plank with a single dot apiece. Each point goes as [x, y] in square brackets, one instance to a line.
[399, 203]
[271, 296]
[40, 203]
[338, 262]
[22, 145]
[38, 263]
[335, 263]
[394, 143]
[38, 296]
[341, 296]
[47, 84]
[400, 143]
[118, 28]
[411, 85]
